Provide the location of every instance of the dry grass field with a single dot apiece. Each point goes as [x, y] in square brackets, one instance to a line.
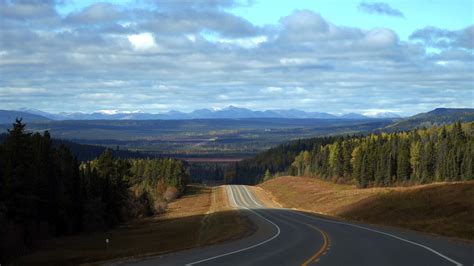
[200, 217]
[440, 208]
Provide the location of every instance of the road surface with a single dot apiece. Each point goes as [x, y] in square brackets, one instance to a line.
[288, 237]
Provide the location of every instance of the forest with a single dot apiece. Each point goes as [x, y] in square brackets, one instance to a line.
[219, 138]
[85, 152]
[417, 156]
[212, 172]
[438, 153]
[45, 191]
[275, 160]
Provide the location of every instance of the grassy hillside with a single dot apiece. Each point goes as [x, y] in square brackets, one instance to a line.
[441, 208]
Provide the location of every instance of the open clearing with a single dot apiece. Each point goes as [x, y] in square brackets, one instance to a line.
[186, 224]
[441, 208]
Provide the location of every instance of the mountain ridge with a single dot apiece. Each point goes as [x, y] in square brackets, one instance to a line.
[435, 117]
[9, 116]
[229, 112]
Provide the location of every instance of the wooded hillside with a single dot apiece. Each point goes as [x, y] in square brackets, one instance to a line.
[439, 153]
[418, 156]
[44, 192]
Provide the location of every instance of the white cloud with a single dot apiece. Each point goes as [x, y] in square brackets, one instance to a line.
[223, 97]
[115, 83]
[244, 42]
[101, 96]
[375, 112]
[108, 112]
[191, 37]
[21, 90]
[296, 61]
[299, 90]
[186, 59]
[142, 41]
[380, 38]
[271, 90]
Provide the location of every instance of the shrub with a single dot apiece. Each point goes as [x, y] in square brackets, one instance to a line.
[160, 206]
[170, 194]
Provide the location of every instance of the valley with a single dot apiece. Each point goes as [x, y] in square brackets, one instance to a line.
[154, 187]
[205, 138]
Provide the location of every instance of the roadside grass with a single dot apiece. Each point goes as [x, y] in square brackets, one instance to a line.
[181, 227]
[441, 208]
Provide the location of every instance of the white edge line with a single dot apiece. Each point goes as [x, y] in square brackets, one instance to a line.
[247, 248]
[231, 196]
[383, 233]
[252, 198]
[243, 198]
[369, 229]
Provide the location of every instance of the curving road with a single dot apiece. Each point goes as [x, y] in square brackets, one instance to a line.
[288, 237]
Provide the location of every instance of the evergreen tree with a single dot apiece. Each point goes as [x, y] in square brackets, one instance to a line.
[419, 156]
[403, 160]
[415, 160]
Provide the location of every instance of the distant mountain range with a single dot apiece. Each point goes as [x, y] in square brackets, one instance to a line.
[215, 132]
[230, 112]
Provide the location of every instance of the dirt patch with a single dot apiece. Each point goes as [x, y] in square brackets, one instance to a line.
[440, 208]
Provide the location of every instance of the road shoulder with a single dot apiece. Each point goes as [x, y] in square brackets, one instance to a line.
[440, 210]
[202, 211]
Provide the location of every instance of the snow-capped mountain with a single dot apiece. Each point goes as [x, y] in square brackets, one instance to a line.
[230, 112]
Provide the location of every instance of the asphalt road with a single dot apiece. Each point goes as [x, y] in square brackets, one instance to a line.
[288, 237]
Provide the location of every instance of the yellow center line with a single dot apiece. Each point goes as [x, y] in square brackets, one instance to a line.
[321, 250]
[324, 248]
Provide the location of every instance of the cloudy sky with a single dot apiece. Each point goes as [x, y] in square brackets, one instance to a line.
[315, 55]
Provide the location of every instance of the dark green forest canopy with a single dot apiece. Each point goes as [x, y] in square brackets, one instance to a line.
[277, 159]
[443, 153]
[417, 156]
[45, 192]
[85, 152]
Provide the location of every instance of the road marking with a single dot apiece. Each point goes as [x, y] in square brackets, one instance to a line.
[247, 248]
[231, 196]
[247, 198]
[252, 198]
[323, 248]
[326, 242]
[380, 232]
[383, 233]
[243, 199]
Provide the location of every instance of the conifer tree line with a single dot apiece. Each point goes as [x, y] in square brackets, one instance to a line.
[209, 171]
[275, 160]
[418, 156]
[46, 192]
[156, 182]
[86, 152]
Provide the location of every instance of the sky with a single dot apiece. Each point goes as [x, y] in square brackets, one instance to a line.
[330, 56]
